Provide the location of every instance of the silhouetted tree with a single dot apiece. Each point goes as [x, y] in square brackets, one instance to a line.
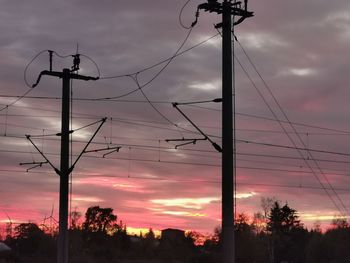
[30, 241]
[121, 240]
[97, 234]
[338, 241]
[99, 219]
[259, 223]
[150, 234]
[102, 240]
[148, 244]
[288, 237]
[317, 250]
[340, 223]
[282, 219]
[75, 218]
[266, 204]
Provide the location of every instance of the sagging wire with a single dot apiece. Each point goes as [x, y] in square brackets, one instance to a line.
[180, 16]
[133, 75]
[74, 68]
[160, 62]
[135, 79]
[25, 81]
[95, 64]
[29, 64]
[159, 112]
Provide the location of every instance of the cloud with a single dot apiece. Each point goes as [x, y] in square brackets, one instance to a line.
[183, 213]
[206, 86]
[263, 41]
[89, 199]
[190, 203]
[300, 72]
[298, 47]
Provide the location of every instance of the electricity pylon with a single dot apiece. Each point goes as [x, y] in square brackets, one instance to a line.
[228, 9]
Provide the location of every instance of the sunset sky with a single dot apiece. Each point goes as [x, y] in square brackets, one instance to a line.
[300, 51]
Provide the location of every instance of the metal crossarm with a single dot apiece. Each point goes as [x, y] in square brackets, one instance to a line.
[215, 145]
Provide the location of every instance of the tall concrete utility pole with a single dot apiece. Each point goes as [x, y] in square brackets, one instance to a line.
[62, 246]
[66, 75]
[228, 244]
[228, 9]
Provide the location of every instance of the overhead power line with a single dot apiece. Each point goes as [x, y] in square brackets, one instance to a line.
[188, 153]
[276, 120]
[158, 63]
[238, 140]
[176, 180]
[318, 167]
[294, 148]
[337, 131]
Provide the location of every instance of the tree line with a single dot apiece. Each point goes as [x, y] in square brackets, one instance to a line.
[275, 235]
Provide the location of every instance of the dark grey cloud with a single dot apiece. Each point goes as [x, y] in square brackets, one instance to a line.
[300, 48]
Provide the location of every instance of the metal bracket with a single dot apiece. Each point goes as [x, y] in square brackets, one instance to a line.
[215, 145]
[235, 10]
[110, 149]
[76, 62]
[88, 143]
[186, 141]
[35, 165]
[60, 75]
[43, 155]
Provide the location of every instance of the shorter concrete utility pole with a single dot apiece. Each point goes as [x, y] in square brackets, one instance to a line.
[66, 75]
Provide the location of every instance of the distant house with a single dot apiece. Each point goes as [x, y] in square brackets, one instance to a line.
[174, 246]
[172, 239]
[172, 235]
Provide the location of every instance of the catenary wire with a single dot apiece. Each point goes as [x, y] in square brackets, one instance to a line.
[238, 140]
[295, 131]
[172, 180]
[287, 134]
[154, 148]
[93, 62]
[170, 150]
[336, 131]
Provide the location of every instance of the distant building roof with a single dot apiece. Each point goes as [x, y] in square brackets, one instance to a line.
[173, 230]
[173, 234]
[4, 247]
[135, 239]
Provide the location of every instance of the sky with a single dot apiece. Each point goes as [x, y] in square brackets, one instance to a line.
[292, 55]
